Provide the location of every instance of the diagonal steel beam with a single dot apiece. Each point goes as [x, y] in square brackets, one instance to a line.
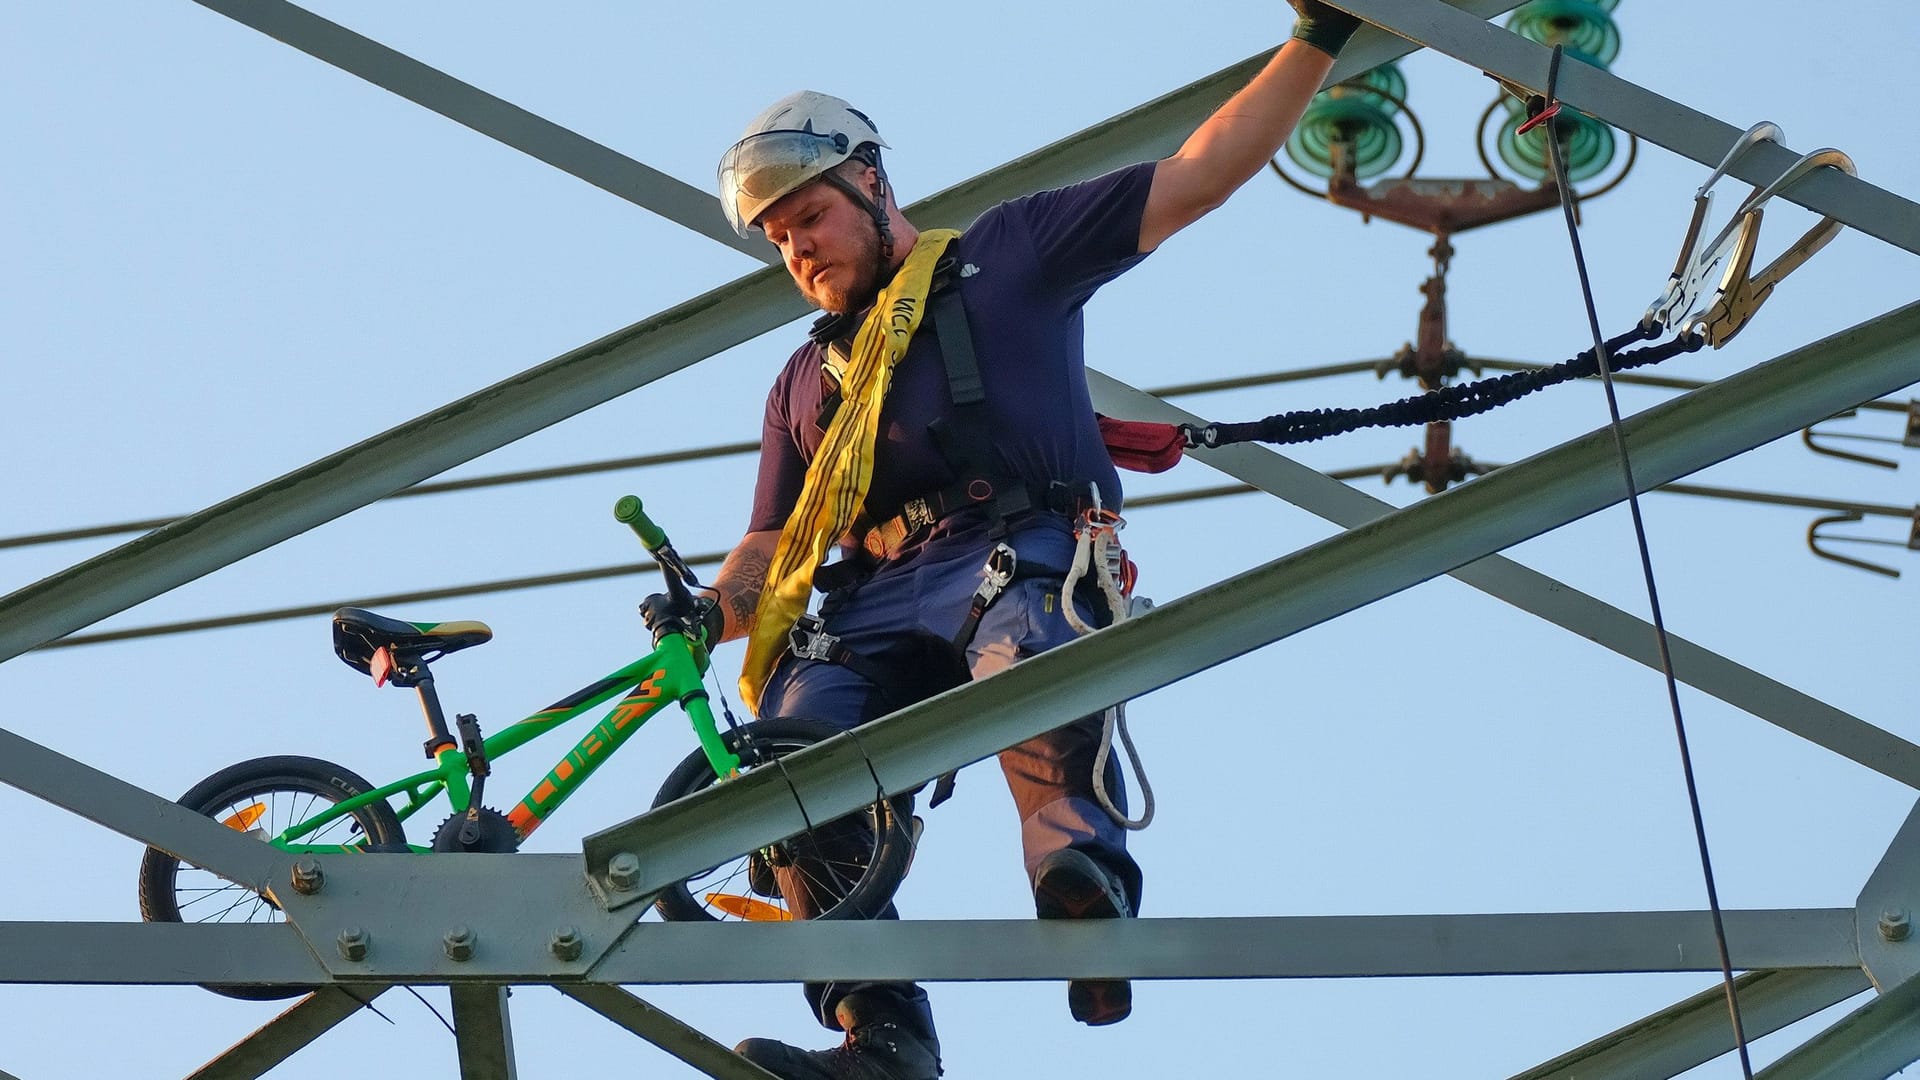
[1696, 1030]
[1152, 130]
[1659, 120]
[135, 812]
[578, 380]
[1558, 603]
[345, 481]
[286, 1034]
[484, 1034]
[665, 1031]
[464, 103]
[1265, 604]
[1878, 1039]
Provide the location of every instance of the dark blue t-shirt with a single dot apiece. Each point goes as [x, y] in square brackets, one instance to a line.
[1027, 267]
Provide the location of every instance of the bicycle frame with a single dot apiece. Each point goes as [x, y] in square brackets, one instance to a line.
[673, 672]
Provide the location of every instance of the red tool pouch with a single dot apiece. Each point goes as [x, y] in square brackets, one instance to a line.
[1142, 445]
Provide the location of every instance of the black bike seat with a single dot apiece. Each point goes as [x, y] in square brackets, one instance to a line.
[358, 634]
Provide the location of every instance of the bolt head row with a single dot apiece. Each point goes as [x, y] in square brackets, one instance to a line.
[567, 944]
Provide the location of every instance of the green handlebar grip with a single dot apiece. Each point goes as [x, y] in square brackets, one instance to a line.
[629, 512]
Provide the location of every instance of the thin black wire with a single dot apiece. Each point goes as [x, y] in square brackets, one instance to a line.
[879, 789]
[1646, 566]
[444, 1022]
[793, 789]
[367, 1004]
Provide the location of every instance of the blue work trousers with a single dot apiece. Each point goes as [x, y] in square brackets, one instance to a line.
[906, 613]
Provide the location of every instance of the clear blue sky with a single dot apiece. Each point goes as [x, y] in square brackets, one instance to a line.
[227, 259]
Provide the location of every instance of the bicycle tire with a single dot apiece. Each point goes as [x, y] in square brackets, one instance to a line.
[863, 856]
[285, 790]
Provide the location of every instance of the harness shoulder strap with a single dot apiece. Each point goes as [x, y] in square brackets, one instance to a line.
[965, 438]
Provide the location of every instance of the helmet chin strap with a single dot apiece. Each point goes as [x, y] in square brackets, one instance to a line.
[876, 207]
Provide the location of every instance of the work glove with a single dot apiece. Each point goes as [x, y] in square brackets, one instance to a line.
[1323, 27]
[663, 617]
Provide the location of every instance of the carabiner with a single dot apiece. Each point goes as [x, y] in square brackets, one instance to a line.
[1690, 270]
[1739, 296]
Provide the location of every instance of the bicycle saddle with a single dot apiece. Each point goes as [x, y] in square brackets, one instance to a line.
[358, 634]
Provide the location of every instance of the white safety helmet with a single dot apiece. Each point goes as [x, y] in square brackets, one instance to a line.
[796, 141]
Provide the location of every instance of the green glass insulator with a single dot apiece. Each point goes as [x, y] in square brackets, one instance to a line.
[1588, 144]
[1356, 125]
[1582, 26]
[1384, 86]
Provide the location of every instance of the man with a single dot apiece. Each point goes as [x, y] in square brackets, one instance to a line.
[934, 473]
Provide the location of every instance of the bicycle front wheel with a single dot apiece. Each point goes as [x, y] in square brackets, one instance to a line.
[262, 798]
[848, 868]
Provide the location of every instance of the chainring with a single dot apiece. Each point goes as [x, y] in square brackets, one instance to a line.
[497, 834]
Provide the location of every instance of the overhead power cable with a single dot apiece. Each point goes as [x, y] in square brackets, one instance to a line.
[303, 611]
[1141, 502]
[437, 487]
[673, 457]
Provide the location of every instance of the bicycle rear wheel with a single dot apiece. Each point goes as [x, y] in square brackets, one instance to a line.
[262, 798]
[848, 868]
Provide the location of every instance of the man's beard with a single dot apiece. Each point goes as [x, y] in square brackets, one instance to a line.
[866, 283]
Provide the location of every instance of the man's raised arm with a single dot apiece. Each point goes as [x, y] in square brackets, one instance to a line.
[1230, 146]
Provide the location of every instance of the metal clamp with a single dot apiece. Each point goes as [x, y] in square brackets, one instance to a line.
[809, 641]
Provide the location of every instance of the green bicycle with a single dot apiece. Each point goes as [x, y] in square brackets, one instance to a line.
[847, 868]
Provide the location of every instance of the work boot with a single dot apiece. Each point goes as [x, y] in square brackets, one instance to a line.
[1071, 885]
[883, 1043]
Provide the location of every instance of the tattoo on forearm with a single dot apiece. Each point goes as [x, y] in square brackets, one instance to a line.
[747, 571]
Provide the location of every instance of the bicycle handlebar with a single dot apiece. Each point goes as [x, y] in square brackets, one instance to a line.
[629, 512]
[680, 579]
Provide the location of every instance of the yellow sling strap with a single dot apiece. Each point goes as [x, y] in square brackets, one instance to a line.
[842, 469]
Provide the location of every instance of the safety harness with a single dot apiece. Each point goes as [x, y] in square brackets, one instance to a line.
[964, 440]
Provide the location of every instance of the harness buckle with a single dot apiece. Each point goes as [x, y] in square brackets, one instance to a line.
[809, 641]
[995, 576]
